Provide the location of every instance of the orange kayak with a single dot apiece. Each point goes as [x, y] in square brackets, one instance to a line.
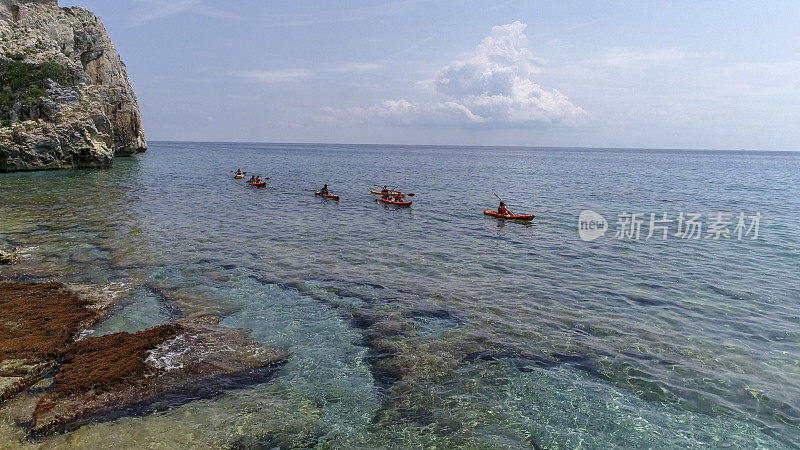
[262, 184]
[335, 197]
[395, 202]
[492, 213]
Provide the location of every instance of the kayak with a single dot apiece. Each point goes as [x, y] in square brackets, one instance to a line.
[381, 192]
[335, 197]
[492, 213]
[394, 202]
[262, 184]
[238, 177]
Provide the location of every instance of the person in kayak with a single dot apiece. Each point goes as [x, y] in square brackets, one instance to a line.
[385, 190]
[324, 190]
[252, 179]
[238, 171]
[502, 209]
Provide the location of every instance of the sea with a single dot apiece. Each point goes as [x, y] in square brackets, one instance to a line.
[653, 302]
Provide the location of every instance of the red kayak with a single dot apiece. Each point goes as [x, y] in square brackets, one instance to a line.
[335, 197]
[394, 202]
[492, 213]
[262, 184]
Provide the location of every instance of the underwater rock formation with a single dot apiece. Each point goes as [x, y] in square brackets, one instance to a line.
[38, 322]
[105, 377]
[127, 373]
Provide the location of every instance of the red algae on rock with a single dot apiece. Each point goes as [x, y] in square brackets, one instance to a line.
[100, 378]
[104, 363]
[38, 321]
[125, 373]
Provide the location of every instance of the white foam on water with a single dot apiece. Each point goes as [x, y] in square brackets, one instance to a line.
[167, 356]
[85, 334]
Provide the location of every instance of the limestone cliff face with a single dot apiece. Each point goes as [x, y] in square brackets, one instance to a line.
[65, 98]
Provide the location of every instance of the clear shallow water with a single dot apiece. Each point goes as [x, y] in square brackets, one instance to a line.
[435, 325]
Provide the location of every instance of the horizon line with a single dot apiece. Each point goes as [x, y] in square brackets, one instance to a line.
[483, 146]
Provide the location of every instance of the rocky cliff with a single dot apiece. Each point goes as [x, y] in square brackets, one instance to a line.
[65, 98]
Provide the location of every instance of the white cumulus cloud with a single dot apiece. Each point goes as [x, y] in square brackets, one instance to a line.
[490, 86]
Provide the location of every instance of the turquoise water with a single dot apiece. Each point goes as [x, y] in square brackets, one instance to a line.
[436, 325]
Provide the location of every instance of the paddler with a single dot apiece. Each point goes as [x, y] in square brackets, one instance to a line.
[238, 171]
[324, 190]
[252, 179]
[502, 209]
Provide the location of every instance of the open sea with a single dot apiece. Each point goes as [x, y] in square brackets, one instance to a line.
[437, 326]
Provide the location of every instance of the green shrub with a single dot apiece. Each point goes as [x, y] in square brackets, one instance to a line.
[25, 83]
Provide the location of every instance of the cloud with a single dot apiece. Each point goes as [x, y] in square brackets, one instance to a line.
[500, 5]
[355, 67]
[275, 76]
[159, 9]
[340, 15]
[490, 86]
[403, 112]
[623, 57]
[285, 75]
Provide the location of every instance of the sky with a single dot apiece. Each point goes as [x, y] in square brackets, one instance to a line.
[654, 74]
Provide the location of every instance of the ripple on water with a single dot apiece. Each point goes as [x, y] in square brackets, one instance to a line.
[692, 326]
[144, 310]
[327, 363]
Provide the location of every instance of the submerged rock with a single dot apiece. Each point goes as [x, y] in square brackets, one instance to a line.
[8, 257]
[38, 321]
[101, 378]
[122, 374]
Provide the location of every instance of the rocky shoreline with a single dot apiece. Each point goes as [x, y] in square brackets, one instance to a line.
[65, 98]
[80, 381]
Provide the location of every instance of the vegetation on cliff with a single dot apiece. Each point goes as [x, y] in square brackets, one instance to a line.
[23, 85]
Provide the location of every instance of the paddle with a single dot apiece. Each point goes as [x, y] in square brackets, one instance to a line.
[243, 173]
[501, 200]
[394, 189]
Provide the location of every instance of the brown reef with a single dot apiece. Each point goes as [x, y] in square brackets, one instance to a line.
[105, 377]
[38, 322]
